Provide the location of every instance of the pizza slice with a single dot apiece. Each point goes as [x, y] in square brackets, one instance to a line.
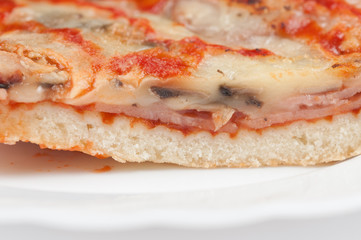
[200, 83]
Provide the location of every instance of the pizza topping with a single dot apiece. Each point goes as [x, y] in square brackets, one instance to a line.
[6, 7]
[74, 36]
[155, 63]
[3, 94]
[251, 100]
[222, 117]
[4, 86]
[164, 93]
[210, 65]
[226, 91]
[7, 81]
[10, 74]
[117, 83]
[30, 67]
[239, 94]
[154, 6]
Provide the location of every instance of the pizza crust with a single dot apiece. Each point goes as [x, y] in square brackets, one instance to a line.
[300, 143]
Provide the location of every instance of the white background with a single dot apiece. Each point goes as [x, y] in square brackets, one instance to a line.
[334, 228]
[57, 195]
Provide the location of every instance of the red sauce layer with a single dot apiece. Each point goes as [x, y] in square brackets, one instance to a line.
[109, 118]
[6, 7]
[176, 59]
[193, 46]
[153, 6]
[255, 52]
[152, 62]
[75, 36]
[338, 6]
[103, 169]
[310, 30]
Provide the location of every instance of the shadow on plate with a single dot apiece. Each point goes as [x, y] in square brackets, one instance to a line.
[27, 158]
[24, 158]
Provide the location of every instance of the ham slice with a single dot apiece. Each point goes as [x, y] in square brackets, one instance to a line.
[306, 107]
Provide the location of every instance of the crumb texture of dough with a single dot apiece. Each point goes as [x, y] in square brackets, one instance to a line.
[300, 143]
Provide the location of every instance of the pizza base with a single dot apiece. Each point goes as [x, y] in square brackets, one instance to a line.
[301, 143]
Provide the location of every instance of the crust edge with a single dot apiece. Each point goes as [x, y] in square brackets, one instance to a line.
[301, 143]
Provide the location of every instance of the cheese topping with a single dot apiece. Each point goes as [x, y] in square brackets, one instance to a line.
[249, 63]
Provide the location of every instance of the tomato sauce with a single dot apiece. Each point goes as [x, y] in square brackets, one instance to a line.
[176, 60]
[108, 118]
[153, 6]
[6, 7]
[255, 52]
[75, 36]
[330, 41]
[154, 62]
[310, 30]
[191, 48]
[337, 6]
[142, 24]
[103, 169]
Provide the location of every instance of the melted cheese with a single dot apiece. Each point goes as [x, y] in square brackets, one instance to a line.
[204, 55]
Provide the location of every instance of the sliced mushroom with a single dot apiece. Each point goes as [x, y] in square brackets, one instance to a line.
[7, 81]
[240, 95]
[4, 86]
[164, 93]
[252, 100]
[226, 91]
[116, 83]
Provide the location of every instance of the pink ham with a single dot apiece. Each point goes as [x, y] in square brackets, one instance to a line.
[305, 107]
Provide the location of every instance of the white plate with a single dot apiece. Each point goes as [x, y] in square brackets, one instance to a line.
[70, 190]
